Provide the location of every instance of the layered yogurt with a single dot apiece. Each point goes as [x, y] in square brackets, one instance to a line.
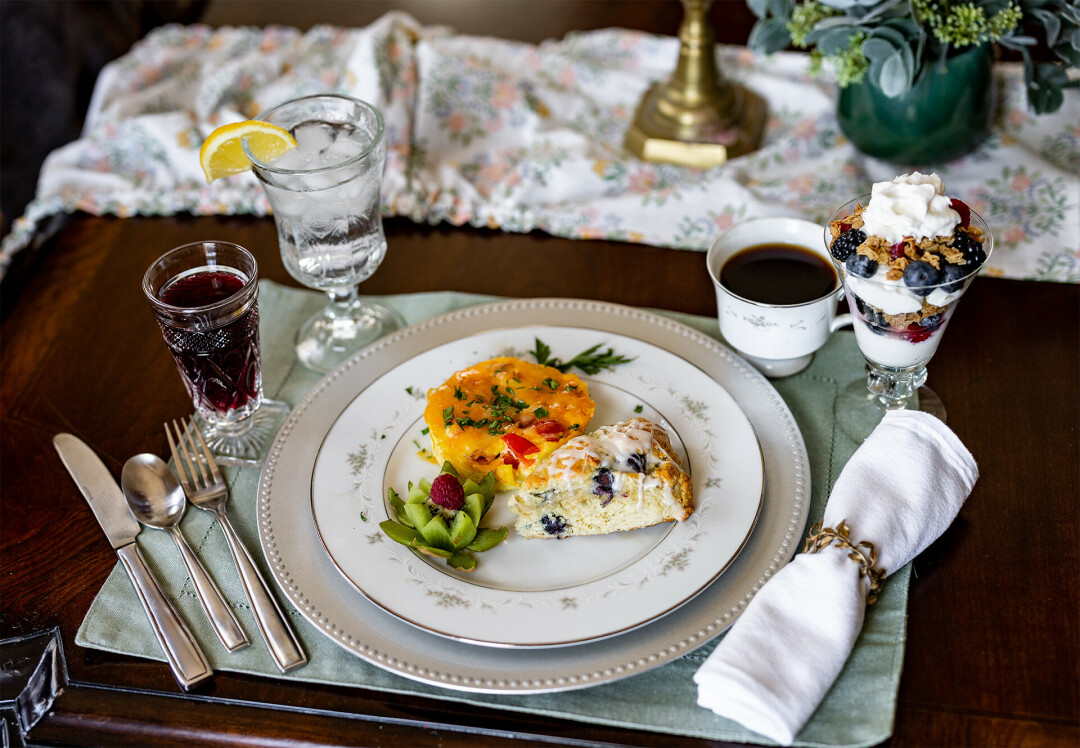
[906, 258]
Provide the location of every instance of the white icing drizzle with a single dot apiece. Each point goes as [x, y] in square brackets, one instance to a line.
[612, 447]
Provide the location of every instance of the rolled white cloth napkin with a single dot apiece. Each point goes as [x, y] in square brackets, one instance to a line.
[900, 490]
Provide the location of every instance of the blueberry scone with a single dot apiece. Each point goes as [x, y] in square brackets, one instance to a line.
[619, 477]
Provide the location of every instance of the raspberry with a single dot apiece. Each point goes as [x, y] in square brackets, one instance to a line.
[969, 247]
[915, 333]
[846, 243]
[446, 491]
[963, 210]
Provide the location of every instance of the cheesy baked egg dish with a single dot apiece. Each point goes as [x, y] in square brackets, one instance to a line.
[505, 416]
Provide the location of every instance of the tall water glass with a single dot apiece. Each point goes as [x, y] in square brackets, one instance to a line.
[326, 202]
[205, 297]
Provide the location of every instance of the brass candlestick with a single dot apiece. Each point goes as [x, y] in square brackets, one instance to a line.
[697, 117]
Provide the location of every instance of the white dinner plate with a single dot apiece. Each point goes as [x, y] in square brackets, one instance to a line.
[312, 583]
[537, 593]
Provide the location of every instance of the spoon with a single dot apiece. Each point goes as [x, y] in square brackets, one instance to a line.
[157, 500]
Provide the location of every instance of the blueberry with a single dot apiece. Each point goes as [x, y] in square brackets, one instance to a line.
[931, 322]
[602, 482]
[844, 245]
[953, 276]
[637, 462]
[876, 321]
[920, 277]
[860, 265]
[554, 525]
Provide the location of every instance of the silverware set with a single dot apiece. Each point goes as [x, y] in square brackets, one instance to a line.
[156, 497]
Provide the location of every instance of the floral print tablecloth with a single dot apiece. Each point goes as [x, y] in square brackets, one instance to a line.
[520, 137]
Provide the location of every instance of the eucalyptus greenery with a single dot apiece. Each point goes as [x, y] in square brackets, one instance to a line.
[896, 41]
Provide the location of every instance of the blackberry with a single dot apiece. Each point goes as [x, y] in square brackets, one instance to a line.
[860, 265]
[920, 277]
[554, 525]
[846, 243]
[970, 248]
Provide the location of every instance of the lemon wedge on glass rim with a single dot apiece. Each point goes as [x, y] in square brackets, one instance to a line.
[222, 156]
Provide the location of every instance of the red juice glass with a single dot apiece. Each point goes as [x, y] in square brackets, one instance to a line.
[204, 296]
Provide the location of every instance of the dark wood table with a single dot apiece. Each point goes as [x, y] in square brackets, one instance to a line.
[993, 649]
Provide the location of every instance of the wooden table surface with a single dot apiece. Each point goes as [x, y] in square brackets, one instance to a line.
[993, 647]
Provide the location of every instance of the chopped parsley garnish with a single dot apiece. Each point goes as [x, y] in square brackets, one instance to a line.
[425, 431]
[540, 412]
[551, 384]
[589, 361]
[638, 408]
[458, 394]
[410, 390]
[498, 412]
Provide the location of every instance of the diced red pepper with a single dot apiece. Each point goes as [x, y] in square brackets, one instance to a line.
[550, 429]
[519, 445]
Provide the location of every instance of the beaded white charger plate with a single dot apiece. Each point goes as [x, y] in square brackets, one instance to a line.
[301, 466]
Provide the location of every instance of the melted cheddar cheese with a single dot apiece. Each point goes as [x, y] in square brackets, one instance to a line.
[505, 416]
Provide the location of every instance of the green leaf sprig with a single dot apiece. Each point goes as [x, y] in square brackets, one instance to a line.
[589, 361]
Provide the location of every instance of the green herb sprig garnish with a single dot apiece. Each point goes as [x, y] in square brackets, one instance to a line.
[589, 361]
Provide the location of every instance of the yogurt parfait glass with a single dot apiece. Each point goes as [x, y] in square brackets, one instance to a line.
[898, 328]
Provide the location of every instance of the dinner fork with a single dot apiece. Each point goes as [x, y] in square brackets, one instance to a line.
[206, 489]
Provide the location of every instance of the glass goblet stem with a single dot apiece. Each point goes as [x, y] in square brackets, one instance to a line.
[894, 388]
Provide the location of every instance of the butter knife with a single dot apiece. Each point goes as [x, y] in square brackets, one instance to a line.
[188, 663]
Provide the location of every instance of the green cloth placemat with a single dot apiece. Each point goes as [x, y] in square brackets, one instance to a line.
[858, 711]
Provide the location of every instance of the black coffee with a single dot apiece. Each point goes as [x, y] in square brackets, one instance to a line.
[778, 274]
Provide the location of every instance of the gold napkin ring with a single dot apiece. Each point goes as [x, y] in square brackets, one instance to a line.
[824, 537]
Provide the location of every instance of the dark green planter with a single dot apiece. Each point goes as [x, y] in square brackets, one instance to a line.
[943, 116]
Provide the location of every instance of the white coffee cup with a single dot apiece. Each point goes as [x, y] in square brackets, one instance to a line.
[778, 339]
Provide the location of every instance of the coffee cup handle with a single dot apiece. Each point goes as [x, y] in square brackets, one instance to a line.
[840, 321]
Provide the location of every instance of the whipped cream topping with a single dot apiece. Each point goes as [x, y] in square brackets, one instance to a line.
[912, 205]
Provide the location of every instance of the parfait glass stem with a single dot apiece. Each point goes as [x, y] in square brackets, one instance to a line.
[895, 388]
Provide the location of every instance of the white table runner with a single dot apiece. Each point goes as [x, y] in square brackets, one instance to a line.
[520, 137]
